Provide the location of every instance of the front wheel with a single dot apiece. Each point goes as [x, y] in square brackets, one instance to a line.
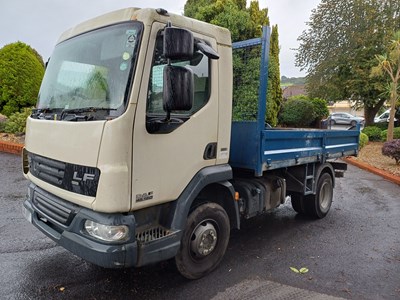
[204, 241]
[318, 205]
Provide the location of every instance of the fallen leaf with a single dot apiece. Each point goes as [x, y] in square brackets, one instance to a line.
[62, 289]
[303, 270]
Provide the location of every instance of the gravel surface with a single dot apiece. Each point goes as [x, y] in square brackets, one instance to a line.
[372, 154]
[8, 137]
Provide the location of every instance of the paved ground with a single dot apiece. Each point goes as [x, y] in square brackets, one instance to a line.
[353, 253]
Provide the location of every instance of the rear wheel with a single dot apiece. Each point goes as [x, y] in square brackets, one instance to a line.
[204, 241]
[298, 203]
[353, 123]
[318, 205]
[332, 122]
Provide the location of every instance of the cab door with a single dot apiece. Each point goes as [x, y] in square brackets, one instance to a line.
[166, 156]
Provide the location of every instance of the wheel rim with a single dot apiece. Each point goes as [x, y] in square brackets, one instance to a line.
[204, 239]
[325, 196]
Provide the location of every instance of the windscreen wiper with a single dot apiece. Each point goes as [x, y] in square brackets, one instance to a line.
[72, 114]
[44, 113]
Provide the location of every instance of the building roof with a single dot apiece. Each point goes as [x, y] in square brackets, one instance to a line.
[294, 90]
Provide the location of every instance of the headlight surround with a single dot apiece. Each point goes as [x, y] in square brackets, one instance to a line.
[107, 233]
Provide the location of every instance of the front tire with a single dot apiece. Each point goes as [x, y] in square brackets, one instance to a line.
[204, 241]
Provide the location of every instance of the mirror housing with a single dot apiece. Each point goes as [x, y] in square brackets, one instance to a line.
[178, 43]
[178, 89]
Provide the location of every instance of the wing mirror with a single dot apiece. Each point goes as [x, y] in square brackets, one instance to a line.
[178, 43]
[178, 89]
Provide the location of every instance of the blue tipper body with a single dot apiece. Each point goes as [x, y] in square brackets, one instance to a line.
[258, 148]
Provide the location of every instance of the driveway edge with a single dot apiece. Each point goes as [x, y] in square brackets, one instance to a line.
[12, 148]
[384, 174]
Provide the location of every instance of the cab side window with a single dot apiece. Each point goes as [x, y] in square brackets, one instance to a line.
[199, 64]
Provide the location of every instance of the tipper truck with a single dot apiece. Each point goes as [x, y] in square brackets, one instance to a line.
[132, 155]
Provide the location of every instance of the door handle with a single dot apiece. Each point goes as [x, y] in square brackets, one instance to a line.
[210, 152]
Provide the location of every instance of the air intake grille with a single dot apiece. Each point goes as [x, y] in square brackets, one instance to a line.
[47, 169]
[152, 234]
[53, 210]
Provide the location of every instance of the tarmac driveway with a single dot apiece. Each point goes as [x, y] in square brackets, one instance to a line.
[353, 253]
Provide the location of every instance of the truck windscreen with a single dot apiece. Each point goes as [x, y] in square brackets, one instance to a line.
[92, 73]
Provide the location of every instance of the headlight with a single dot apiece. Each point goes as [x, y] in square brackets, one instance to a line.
[108, 233]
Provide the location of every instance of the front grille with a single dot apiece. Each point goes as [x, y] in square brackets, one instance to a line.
[152, 234]
[71, 177]
[53, 209]
[47, 169]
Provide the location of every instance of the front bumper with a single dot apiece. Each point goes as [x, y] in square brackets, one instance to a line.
[64, 222]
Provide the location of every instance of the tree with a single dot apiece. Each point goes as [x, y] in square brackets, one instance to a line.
[390, 64]
[244, 23]
[21, 73]
[338, 50]
[274, 96]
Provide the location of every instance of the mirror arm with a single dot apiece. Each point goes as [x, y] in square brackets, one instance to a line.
[206, 49]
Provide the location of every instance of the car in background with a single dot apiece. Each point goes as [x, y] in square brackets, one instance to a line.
[343, 118]
[383, 117]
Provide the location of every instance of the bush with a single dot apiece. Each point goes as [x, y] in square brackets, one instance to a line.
[321, 110]
[297, 113]
[396, 134]
[303, 111]
[363, 140]
[373, 133]
[21, 72]
[17, 121]
[392, 149]
[382, 125]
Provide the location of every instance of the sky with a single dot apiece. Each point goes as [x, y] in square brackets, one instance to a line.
[39, 23]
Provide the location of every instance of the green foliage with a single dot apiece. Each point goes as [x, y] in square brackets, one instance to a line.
[321, 110]
[292, 80]
[381, 125]
[244, 23]
[232, 14]
[17, 121]
[339, 47]
[21, 72]
[294, 115]
[389, 64]
[396, 134]
[246, 72]
[373, 133]
[297, 112]
[274, 95]
[363, 140]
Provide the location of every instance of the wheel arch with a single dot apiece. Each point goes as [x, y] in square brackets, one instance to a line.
[204, 187]
[321, 169]
[223, 194]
